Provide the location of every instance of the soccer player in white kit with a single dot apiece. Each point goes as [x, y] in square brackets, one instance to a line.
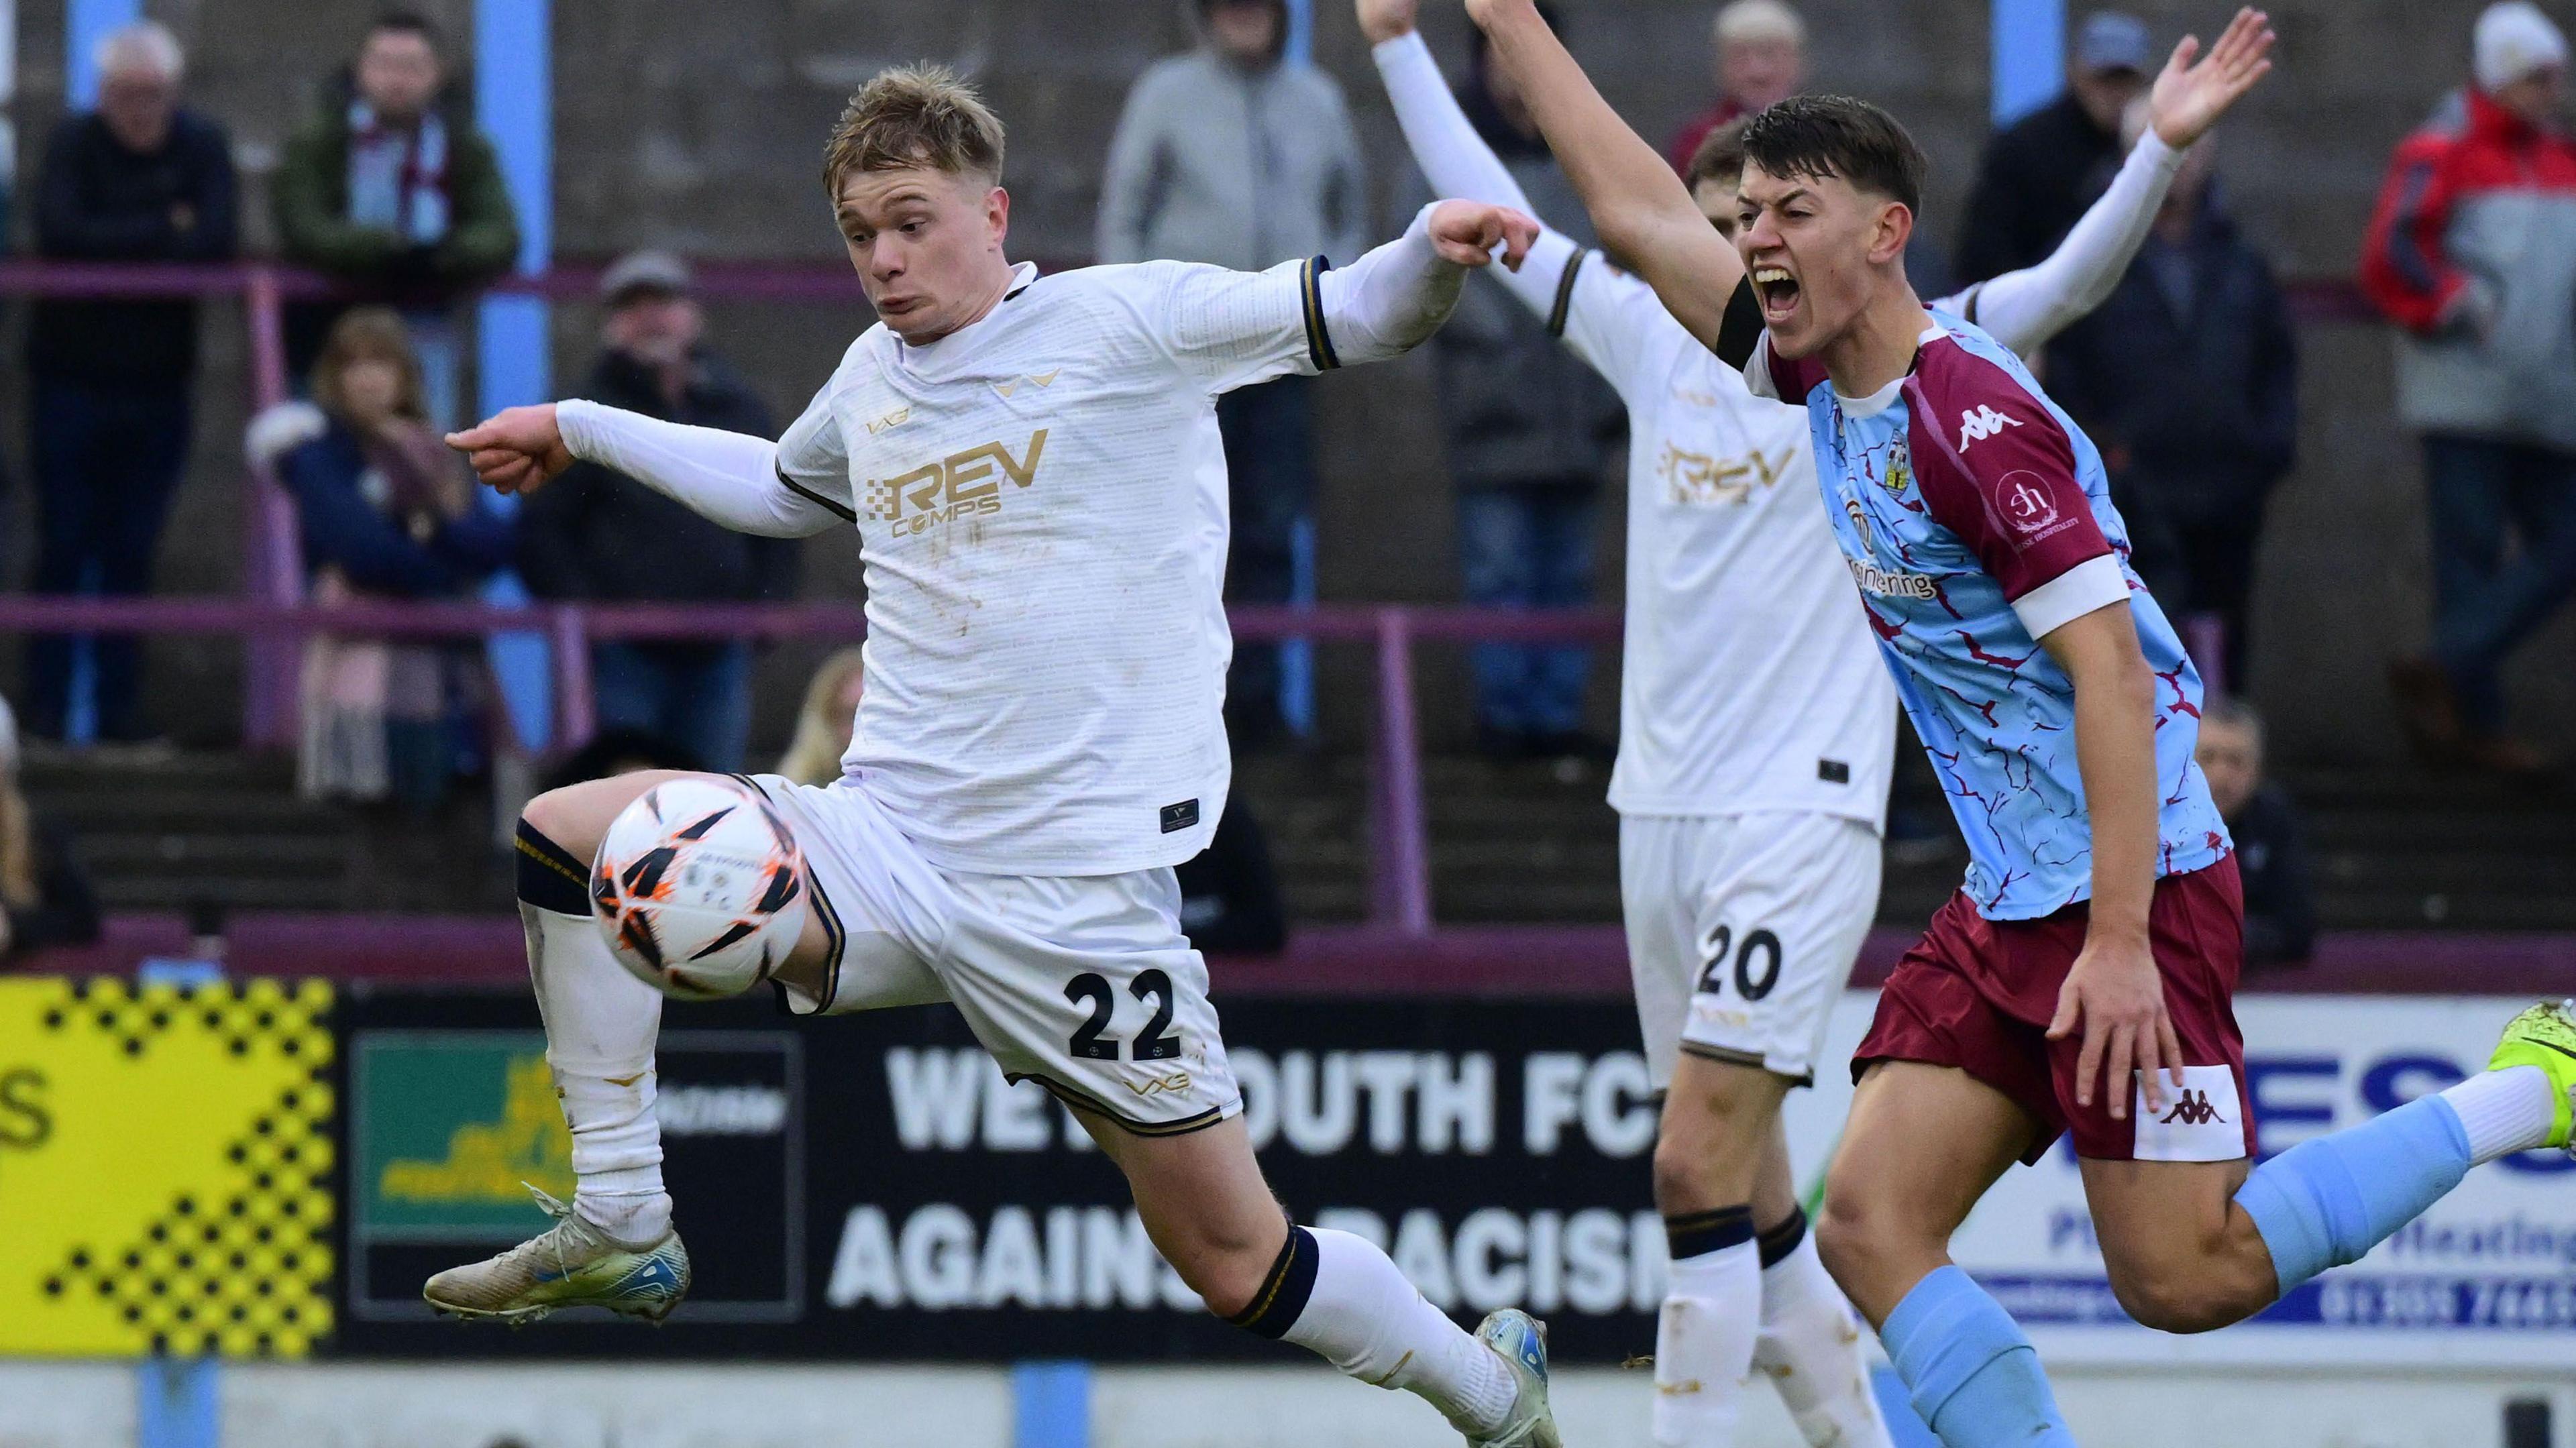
[1033, 467]
[1756, 739]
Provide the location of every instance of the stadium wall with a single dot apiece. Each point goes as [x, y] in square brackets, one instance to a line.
[697, 127]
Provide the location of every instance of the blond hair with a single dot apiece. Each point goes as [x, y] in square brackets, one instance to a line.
[915, 115]
[814, 754]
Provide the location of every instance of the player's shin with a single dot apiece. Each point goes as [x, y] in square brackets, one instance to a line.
[1969, 1370]
[2329, 1200]
[601, 1023]
[1705, 1335]
[1339, 1296]
[1810, 1345]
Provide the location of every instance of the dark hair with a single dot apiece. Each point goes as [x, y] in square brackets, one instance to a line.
[405, 22]
[1820, 136]
[1720, 156]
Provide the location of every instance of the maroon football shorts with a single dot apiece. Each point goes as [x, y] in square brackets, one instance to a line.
[1978, 994]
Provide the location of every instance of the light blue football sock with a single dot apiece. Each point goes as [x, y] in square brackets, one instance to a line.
[2328, 1201]
[1971, 1373]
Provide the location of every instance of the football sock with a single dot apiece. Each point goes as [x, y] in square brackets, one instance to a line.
[2505, 1111]
[1704, 1336]
[1969, 1370]
[1339, 1296]
[601, 1023]
[1810, 1344]
[2328, 1201]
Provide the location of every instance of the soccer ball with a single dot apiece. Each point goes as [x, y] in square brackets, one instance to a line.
[699, 888]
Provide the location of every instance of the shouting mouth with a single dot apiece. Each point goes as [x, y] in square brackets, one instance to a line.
[1778, 291]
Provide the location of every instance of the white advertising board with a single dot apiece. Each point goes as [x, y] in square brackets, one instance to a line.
[2487, 1278]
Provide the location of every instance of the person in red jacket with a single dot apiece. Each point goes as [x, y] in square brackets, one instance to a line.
[1761, 58]
[2473, 254]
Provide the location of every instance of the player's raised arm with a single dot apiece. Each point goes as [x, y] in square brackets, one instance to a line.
[1640, 208]
[2024, 309]
[727, 477]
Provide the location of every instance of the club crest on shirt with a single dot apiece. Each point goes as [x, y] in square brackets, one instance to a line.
[1898, 475]
[963, 484]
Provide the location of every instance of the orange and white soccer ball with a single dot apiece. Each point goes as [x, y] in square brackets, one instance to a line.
[699, 888]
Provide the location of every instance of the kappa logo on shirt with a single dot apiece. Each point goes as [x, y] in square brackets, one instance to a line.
[962, 484]
[1980, 423]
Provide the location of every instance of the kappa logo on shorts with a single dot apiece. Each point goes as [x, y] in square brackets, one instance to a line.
[2193, 1110]
[2202, 1119]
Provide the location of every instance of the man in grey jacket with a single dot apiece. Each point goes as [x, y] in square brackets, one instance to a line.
[1234, 155]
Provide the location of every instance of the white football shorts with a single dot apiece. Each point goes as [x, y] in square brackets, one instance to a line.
[1742, 930]
[1082, 983]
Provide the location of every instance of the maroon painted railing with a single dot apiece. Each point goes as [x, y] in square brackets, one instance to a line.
[1399, 832]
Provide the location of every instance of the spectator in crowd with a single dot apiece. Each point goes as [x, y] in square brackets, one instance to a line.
[1761, 53]
[2187, 378]
[45, 899]
[1234, 155]
[827, 720]
[2472, 252]
[386, 512]
[138, 179]
[2040, 172]
[1530, 431]
[2271, 851]
[392, 191]
[596, 536]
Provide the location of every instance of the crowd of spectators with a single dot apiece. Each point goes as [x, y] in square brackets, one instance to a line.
[1238, 153]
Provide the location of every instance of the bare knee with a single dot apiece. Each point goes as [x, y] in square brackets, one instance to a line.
[576, 816]
[2191, 1293]
[1226, 1268]
[1716, 1123]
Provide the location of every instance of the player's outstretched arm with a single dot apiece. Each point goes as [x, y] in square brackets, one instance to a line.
[1640, 208]
[1395, 296]
[2114, 994]
[2024, 309]
[726, 477]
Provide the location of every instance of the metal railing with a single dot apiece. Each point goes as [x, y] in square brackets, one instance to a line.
[1399, 831]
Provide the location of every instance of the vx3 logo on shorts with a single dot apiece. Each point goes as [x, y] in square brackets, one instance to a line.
[962, 484]
[2193, 1109]
[1982, 423]
[1177, 1083]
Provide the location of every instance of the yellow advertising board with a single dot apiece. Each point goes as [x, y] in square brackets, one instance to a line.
[165, 1158]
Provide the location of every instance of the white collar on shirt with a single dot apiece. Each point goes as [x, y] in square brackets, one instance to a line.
[1877, 402]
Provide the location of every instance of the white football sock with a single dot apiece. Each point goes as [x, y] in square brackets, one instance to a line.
[601, 1023]
[1704, 1346]
[1365, 1318]
[1811, 1349]
[2505, 1111]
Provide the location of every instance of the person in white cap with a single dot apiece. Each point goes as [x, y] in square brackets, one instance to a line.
[2472, 252]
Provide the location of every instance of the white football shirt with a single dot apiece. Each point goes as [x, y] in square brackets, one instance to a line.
[1750, 680]
[1041, 507]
